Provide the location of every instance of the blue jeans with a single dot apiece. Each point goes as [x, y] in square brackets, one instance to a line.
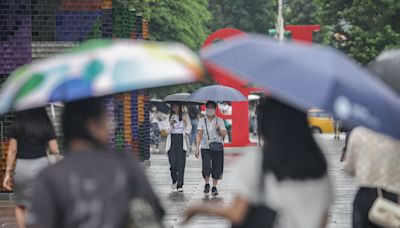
[193, 134]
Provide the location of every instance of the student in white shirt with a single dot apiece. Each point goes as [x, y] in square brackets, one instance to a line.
[210, 129]
[177, 145]
[290, 170]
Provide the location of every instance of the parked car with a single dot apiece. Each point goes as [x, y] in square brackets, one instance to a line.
[320, 121]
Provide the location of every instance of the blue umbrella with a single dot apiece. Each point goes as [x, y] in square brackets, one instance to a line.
[216, 93]
[305, 77]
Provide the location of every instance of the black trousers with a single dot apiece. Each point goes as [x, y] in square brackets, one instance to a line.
[362, 204]
[213, 163]
[177, 159]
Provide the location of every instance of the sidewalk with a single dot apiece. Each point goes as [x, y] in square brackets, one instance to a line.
[175, 203]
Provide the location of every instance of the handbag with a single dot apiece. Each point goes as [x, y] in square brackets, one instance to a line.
[214, 146]
[384, 212]
[259, 215]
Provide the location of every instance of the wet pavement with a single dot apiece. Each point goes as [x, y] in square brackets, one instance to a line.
[340, 215]
[174, 203]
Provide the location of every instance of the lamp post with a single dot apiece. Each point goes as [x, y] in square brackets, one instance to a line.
[280, 22]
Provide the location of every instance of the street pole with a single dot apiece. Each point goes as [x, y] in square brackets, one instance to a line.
[280, 22]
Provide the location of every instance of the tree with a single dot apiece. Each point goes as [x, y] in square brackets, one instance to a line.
[250, 16]
[361, 28]
[300, 12]
[179, 21]
[182, 21]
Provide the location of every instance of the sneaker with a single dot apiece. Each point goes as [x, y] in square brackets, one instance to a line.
[207, 189]
[173, 187]
[180, 189]
[214, 191]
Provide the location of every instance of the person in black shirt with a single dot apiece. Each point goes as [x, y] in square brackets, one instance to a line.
[30, 135]
[92, 187]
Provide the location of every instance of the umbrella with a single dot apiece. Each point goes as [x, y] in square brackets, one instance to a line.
[305, 77]
[161, 106]
[387, 67]
[99, 68]
[254, 97]
[181, 98]
[217, 93]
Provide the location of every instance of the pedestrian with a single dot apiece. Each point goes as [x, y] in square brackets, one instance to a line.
[194, 114]
[374, 160]
[336, 127]
[226, 109]
[258, 118]
[210, 137]
[31, 134]
[346, 142]
[155, 128]
[177, 145]
[286, 180]
[253, 119]
[92, 187]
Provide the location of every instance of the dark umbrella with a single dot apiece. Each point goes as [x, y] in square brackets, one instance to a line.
[305, 77]
[161, 106]
[217, 93]
[387, 67]
[181, 98]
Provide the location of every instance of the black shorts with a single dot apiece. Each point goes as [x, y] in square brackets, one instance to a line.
[213, 163]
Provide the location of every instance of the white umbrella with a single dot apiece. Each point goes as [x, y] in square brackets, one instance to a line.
[253, 97]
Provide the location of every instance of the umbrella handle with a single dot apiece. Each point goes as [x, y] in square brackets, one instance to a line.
[53, 113]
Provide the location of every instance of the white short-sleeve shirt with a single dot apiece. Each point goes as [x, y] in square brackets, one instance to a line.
[299, 203]
[212, 131]
[179, 126]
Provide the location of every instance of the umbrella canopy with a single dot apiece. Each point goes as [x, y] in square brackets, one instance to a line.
[181, 98]
[99, 68]
[254, 97]
[161, 106]
[387, 67]
[216, 93]
[305, 77]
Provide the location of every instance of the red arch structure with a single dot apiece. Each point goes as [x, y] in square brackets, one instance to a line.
[240, 110]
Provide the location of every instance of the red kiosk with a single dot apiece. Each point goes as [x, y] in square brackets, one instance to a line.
[240, 110]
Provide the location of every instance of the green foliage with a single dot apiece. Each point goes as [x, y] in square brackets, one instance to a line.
[183, 21]
[250, 16]
[361, 28]
[142, 7]
[300, 12]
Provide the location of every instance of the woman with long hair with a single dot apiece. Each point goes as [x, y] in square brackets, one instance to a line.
[92, 187]
[289, 175]
[177, 144]
[31, 134]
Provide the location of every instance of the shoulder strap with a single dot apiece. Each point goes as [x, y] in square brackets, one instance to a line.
[205, 121]
[154, 116]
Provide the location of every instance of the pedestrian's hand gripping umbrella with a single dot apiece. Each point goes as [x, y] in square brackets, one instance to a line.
[305, 77]
[99, 68]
